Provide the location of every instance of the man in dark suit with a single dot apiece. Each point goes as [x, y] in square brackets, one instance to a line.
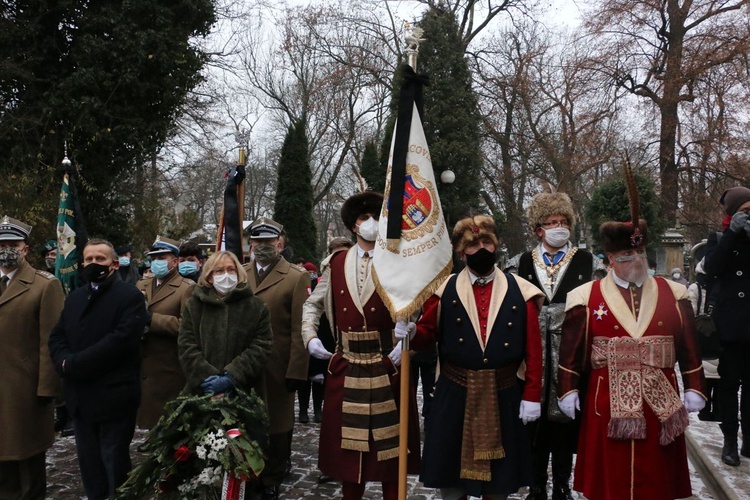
[96, 348]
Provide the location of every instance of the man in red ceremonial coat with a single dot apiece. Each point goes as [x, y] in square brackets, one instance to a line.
[485, 323]
[621, 338]
[359, 433]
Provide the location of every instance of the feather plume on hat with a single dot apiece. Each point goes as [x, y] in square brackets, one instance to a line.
[617, 236]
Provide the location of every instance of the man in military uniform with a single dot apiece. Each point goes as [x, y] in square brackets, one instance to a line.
[161, 374]
[555, 266]
[49, 254]
[30, 303]
[283, 287]
[354, 447]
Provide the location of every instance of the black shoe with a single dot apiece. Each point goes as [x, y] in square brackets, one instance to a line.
[561, 492]
[303, 418]
[537, 493]
[318, 417]
[288, 467]
[67, 432]
[729, 454]
[324, 479]
[270, 493]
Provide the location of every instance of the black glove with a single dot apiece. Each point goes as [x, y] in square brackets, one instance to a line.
[292, 384]
[149, 316]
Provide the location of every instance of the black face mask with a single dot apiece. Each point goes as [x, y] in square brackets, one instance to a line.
[481, 261]
[95, 273]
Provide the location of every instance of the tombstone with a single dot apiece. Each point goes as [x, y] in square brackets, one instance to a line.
[671, 252]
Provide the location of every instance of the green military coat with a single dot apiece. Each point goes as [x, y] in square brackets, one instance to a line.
[161, 375]
[29, 308]
[284, 290]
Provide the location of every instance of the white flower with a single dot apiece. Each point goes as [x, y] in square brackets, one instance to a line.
[220, 433]
[220, 444]
[200, 450]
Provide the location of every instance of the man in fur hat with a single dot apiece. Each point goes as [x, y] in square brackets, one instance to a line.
[621, 338]
[556, 266]
[360, 430]
[728, 259]
[485, 324]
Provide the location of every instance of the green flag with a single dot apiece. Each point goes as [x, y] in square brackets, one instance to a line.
[71, 237]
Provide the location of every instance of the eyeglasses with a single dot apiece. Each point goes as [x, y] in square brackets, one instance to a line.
[555, 223]
[629, 258]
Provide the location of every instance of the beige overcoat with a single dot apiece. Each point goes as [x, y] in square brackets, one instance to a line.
[29, 308]
[284, 290]
[161, 374]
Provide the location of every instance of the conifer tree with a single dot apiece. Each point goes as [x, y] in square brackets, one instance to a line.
[372, 169]
[293, 206]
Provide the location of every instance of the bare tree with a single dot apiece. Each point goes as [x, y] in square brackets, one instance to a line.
[657, 50]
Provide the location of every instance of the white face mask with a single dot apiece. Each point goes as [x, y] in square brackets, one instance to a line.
[652, 272]
[368, 230]
[225, 283]
[557, 236]
[676, 275]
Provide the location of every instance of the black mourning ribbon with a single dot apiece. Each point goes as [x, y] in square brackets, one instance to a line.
[232, 223]
[411, 93]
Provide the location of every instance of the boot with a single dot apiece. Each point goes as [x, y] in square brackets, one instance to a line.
[562, 466]
[539, 463]
[303, 416]
[729, 453]
[537, 493]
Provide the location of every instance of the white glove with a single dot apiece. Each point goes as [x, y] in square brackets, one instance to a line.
[530, 411]
[316, 349]
[569, 404]
[395, 355]
[402, 329]
[318, 378]
[693, 401]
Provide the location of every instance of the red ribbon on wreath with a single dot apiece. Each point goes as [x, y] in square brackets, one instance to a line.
[233, 487]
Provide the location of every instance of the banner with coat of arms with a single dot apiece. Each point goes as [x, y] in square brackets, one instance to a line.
[71, 236]
[413, 253]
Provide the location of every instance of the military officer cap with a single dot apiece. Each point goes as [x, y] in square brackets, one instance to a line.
[263, 227]
[164, 245]
[13, 230]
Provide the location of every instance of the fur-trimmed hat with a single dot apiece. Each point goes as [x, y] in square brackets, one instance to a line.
[545, 204]
[471, 229]
[368, 202]
[617, 236]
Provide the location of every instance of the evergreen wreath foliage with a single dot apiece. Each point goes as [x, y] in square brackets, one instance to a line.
[198, 441]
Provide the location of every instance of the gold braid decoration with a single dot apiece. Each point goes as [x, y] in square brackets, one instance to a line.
[552, 270]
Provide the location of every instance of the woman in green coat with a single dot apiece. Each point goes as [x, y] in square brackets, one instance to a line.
[225, 335]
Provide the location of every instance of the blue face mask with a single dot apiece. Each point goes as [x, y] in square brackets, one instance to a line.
[187, 268]
[124, 261]
[160, 268]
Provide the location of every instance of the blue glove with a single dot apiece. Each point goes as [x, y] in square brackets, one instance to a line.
[217, 384]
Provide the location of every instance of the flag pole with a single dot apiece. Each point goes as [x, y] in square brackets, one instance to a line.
[413, 37]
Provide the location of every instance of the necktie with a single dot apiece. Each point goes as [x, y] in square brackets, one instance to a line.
[366, 255]
[551, 260]
[3, 284]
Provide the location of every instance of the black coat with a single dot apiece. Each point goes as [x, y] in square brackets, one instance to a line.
[728, 261]
[98, 335]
